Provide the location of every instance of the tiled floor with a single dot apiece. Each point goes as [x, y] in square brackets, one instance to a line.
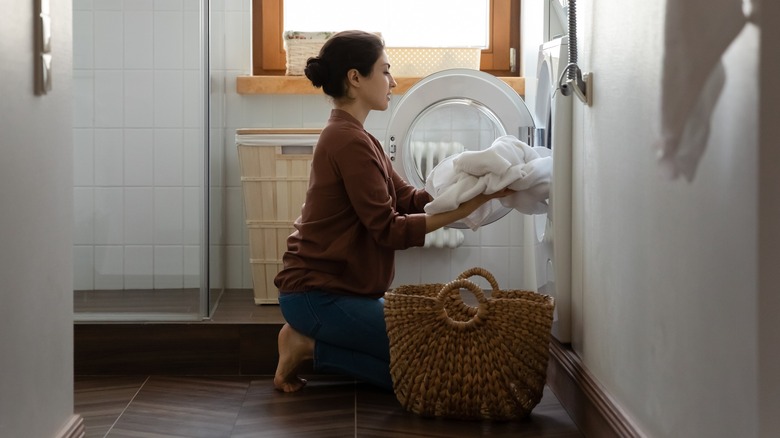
[160, 406]
[121, 403]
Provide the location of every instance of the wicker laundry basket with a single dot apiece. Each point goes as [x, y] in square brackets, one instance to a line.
[449, 359]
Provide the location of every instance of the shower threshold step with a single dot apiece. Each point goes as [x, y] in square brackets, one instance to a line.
[239, 339]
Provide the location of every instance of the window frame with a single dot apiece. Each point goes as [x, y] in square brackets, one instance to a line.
[269, 57]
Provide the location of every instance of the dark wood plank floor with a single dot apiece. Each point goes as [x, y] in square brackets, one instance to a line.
[168, 380]
[328, 407]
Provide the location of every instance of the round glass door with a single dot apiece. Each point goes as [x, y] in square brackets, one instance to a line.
[448, 113]
[447, 128]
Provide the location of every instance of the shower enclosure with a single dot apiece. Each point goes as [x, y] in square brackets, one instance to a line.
[148, 157]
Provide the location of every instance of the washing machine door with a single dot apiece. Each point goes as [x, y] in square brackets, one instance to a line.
[448, 112]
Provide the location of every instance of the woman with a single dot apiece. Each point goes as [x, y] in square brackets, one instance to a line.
[358, 211]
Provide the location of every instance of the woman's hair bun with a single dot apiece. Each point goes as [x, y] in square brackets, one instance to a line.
[317, 71]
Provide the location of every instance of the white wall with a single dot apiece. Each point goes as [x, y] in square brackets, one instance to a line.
[768, 375]
[36, 325]
[667, 285]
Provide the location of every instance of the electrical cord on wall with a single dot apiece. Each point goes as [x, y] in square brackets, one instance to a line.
[571, 80]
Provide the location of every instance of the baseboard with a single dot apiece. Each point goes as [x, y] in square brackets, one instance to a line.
[586, 401]
[74, 428]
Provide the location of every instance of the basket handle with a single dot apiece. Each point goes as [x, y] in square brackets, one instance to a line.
[453, 288]
[482, 272]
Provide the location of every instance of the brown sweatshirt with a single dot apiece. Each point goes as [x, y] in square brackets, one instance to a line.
[354, 218]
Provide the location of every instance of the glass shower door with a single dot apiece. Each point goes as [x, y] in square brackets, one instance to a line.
[144, 187]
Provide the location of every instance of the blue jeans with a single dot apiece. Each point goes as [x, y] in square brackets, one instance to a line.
[349, 333]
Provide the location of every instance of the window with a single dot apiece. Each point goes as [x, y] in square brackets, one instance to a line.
[498, 58]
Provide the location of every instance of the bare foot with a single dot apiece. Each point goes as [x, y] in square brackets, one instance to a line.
[294, 348]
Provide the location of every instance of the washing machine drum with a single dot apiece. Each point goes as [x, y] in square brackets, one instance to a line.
[450, 112]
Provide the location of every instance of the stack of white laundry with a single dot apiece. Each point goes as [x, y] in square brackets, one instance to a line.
[508, 162]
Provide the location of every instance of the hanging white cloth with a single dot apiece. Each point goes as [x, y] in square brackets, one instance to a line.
[508, 162]
[697, 33]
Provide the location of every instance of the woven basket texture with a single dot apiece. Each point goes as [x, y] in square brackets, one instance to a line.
[299, 47]
[450, 359]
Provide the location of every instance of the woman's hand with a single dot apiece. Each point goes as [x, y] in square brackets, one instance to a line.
[435, 221]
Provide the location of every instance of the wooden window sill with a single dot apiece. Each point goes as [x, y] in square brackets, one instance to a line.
[301, 85]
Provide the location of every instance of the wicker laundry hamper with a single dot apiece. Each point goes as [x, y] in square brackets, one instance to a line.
[449, 359]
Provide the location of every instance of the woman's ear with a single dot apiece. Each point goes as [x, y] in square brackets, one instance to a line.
[353, 77]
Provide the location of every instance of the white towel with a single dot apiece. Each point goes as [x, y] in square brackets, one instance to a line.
[508, 162]
[697, 33]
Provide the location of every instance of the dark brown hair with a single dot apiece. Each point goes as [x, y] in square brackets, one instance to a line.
[340, 53]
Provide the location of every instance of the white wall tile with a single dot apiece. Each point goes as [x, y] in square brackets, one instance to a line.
[109, 216]
[216, 215]
[109, 98]
[437, 265]
[109, 155]
[409, 266]
[217, 154]
[191, 266]
[191, 40]
[517, 278]
[496, 234]
[109, 267]
[139, 98]
[464, 258]
[192, 150]
[83, 157]
[234, 216]
[193, 216]
[139, 40]
[216, 262]
[287, 111]
[83, 218]
[83, 5]
[168, 211]
[83, 267]
[139, 216]
[109, 39]
[139, 157]
[472, 238]
[168, 98]
[192, 86]
[192, 5]
[236, 32]
[83, 39]
[496, 261]
[138, 5]
[83, 98]
[234, 261]
[168, 267]
[234, 5]
[139, 267]
[217, 40]
[108, 5]
[316, 111]
[168, 157]
[168, 5]
[168, 40]
[516, 225]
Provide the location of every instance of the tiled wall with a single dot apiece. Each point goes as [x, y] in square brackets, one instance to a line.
[137, 143]
[497, 247]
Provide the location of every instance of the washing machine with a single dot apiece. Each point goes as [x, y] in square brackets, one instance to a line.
[552, 231]
[451, 111]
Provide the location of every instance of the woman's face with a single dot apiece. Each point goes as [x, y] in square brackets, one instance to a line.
[377, 87]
